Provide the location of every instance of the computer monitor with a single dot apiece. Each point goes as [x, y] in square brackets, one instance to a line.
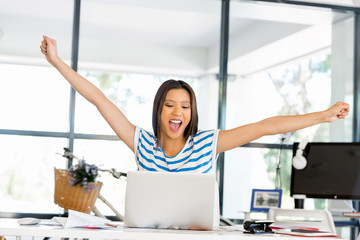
[332, 171]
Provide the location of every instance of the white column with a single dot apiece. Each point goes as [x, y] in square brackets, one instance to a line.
[342, 59]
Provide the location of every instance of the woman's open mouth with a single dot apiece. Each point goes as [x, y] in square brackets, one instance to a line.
[175, 124]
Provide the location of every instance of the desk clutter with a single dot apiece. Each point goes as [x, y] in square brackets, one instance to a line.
[257, 226]
[79, 228]
[86, 221]
[75, 219]
[268, 226]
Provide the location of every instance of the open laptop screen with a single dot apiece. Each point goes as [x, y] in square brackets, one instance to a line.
[170, 200]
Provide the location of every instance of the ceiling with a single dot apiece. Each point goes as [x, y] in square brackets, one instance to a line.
[161, 36]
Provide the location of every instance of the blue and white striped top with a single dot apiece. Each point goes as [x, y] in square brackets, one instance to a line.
[197, 156]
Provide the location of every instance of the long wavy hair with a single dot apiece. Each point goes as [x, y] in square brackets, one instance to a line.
[192, 128]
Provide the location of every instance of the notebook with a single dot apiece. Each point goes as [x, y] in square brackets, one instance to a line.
[171, 200]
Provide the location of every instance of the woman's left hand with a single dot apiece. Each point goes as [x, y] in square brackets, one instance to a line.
[338, 111]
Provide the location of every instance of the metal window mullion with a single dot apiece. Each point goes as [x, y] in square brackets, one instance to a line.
[224, 48]
[32, 133]
[74, 66]
[356, 103]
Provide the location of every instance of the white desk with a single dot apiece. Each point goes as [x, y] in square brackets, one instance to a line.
[10, 228]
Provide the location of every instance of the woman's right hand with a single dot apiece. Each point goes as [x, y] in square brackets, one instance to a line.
[49, 49]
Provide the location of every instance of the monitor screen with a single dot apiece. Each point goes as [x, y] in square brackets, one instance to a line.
[332, 171]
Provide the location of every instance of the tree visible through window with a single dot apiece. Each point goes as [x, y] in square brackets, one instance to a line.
[295, 85]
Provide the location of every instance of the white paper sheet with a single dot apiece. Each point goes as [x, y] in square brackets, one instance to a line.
[79, 219]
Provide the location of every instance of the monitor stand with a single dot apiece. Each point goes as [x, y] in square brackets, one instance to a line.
[299, 200]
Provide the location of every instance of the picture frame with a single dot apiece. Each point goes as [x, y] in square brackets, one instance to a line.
[264, 199]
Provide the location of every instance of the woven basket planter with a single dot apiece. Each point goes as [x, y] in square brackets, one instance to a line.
[74, 197]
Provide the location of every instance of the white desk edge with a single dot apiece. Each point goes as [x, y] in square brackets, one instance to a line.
[12, 229]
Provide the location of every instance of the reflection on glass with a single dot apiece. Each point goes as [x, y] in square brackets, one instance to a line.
[27, 173]
[142, 47]
[283, 63]
[33, 97]
[296, 88]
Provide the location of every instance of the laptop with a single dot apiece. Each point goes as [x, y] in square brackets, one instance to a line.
[171, 200]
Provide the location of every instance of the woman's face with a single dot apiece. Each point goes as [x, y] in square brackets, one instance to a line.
[175, 114]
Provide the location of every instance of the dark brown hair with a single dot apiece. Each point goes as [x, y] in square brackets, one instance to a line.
[192, 127]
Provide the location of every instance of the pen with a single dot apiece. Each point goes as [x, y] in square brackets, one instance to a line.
[111, 225]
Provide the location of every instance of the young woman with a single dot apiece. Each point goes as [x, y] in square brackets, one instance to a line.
[177, 145]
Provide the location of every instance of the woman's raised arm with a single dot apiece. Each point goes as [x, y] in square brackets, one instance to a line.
[115, 118]
[236, 137]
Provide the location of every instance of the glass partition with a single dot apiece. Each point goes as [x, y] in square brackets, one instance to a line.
[27, 173]
[34, 100]
[283, 60]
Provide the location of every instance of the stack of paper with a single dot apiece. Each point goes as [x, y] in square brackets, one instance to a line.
[351, 214]
[79, 219]
[305, 233]
[279, 227]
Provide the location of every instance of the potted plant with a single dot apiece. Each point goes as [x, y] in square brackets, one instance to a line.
[84, 174]
[76, 188]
